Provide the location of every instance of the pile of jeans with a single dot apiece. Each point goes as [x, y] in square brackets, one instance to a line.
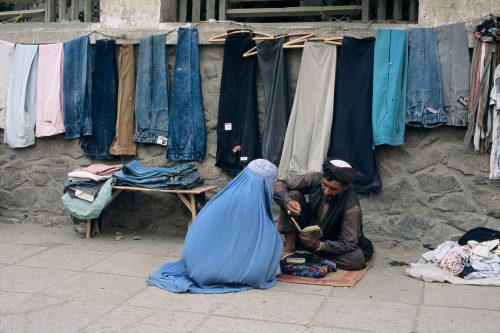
[134, 174]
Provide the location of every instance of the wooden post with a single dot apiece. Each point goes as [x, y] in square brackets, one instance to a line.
[365, 10]
[75, 5]
[397, 10]
[62, 10]
[381, 10]
[196, 11]
[413, 11]
[50, 11]
[222, 10]
[87, 11]
[210, 9]
[183, 10]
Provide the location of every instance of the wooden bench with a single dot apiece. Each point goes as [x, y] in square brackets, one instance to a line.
[193, 199]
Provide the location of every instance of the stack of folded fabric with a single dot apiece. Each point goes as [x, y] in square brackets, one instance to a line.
[85, 183]
[134, 174]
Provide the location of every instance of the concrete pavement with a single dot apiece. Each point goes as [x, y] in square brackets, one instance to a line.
[53, 281]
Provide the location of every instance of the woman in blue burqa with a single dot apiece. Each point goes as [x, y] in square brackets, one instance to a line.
[233, 244]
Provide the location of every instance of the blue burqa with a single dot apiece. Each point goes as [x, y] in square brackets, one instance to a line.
[233, 244]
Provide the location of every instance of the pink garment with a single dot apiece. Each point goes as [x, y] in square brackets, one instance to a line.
[102, 169]
[49, 115]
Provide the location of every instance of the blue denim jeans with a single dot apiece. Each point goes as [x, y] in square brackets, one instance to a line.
[151, 95]
[77, 87]
[424, 95]
[135, 174]
[104, 87]
[186, 121]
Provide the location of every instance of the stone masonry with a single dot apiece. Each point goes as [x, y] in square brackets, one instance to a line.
[434, 187]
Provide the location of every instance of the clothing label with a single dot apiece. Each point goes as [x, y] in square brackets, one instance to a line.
[161, 140]
[228, 126]
[464, 100]
[244, 158]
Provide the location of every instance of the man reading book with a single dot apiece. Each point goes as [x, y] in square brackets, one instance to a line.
[332, 205]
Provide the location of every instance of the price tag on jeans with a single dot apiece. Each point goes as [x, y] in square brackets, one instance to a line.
[161, 140]
[228, 126]
[244, 158]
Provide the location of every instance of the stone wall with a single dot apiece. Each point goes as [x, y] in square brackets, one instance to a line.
[434, 13]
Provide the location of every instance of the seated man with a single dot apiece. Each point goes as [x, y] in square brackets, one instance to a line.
[334, 206]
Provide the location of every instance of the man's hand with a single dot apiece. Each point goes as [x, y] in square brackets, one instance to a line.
[310, 243]
[293, 208]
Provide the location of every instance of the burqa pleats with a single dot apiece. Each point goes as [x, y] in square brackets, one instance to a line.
[238, 140]
[273, 67]
[352, 135]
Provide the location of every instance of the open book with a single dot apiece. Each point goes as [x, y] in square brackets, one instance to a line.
[313, 231]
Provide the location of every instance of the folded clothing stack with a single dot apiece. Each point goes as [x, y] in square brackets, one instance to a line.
[85, 183]
[134, 174]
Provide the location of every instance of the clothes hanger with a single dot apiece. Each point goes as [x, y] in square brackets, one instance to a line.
[253, 51]
[328, 40]
[298, 42]
[256, 35]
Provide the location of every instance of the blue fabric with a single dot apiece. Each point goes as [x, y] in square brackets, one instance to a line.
[390, 70]
[232, 245]
[77, 87]
[186, 121]
[151, 94]
[104, 91]
[425, 95]
[136, 175]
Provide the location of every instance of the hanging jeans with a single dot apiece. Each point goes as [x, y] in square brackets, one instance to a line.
[273, 67]
[454, 64]
[21, 98]
[49, 116]
[6, 54]
[151, 95]
[77, 87]
[308, 132]
[97, 145]
[238, 141]
[186, 120]
[424, 104]
[123, 143]
[390, 72]
[352, 135]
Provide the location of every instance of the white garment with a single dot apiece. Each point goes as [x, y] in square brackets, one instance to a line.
[495, 110]
[21, 98]
[79, 175]
[435, 256]
[6, 55]
[482, 249]
[308, 133]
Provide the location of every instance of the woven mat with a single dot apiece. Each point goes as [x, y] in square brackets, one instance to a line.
[340, 278]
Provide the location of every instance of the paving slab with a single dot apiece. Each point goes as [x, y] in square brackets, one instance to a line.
[10, 300]
[218, 324]
[118, 318]
[30, 279]
[302, 288]
[11, 253]
[367, 315]
[320, 329]
[272, 305]
[132, 264]
[446, 294]
[35, 303]
[168, 321]
[105, 288]
[157, 298]
[65, 317]
[64, 258]
[457, 320]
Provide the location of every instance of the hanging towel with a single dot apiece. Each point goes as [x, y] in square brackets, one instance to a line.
[124, 144]
[238, 140]
[308, 132]
[352, 136]
[232, 244]
[21, 98]
[151, 95]
[49, 114]
[6, 54]
[186, 120]
[424, 103]
[96, 146]
[77, 87]
[390, 68]
[273, 65]
[454, 62]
